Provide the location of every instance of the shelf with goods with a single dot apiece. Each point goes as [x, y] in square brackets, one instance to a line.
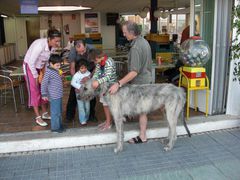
[94, 39]
[162, 44]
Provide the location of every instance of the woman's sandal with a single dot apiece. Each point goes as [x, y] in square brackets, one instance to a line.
[104, 128]
[40, 122]
[136, 140]
[102, 124]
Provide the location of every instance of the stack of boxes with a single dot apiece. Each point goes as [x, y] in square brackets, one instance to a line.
[79, 36]
[94, 39]
[163, 46]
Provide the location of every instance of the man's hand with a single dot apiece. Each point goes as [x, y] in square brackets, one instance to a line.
[114, 88]
[72, 68]
[95, 84]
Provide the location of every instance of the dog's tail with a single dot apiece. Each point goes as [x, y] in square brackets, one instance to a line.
[185, 124]
[183, 103]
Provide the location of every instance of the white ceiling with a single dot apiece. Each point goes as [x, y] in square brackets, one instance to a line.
[12, 7]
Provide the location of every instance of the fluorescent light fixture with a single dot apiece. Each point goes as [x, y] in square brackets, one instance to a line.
[197, 5]
[62, 8]
[4, 16]
[181, 8]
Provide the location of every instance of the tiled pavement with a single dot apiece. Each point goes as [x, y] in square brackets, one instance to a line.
[214, 155]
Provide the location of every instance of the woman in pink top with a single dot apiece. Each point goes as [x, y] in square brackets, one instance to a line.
[35, 59]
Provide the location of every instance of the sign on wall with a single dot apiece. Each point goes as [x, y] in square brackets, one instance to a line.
[91, 22]
[29, 6]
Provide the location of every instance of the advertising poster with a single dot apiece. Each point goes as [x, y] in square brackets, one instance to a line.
[91, 22]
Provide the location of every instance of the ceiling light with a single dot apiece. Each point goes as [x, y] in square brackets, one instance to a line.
[144, 12]
[197, 5]
[164, 15]
[62, 8]
[4, 16]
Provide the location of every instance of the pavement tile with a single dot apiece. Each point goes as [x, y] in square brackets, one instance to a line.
[230, 168]
[225, 138]
[235, 132]
[206, 172]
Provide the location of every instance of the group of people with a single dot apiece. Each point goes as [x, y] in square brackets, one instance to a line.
[85, 62]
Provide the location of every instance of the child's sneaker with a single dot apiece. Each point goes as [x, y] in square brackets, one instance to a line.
[83, 123]
[46, 116]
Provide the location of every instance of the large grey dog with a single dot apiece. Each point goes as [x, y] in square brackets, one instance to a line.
[132, 100]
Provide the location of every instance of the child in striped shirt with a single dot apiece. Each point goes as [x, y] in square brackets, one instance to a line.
[105, 72]
[52, 90]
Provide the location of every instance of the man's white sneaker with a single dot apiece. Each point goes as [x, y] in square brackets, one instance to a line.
[46, 116]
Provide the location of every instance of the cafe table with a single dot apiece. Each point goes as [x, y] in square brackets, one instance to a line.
[160, 67]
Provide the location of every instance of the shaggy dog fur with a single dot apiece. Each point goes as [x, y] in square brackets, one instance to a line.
[132, 100]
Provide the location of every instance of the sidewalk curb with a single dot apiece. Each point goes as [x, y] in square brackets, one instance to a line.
[41, 140]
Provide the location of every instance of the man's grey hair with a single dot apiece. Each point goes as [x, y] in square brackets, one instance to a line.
[132, 27]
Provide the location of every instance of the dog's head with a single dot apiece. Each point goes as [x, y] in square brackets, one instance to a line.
[87, 92]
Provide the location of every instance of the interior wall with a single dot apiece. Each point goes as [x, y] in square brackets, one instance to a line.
[108, 33]
[32, 29]
[15, 32]
[74, 24]
[61, 22]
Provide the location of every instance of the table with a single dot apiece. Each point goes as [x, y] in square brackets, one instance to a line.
[162, 67]
[120, 58]
[116, 54]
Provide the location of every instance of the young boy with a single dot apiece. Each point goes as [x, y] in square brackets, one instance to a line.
[83, 106]
[105, 72]
[52, 90]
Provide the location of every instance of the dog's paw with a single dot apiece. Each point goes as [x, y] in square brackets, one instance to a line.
[117, 150]
[167, 148]
[164, 141]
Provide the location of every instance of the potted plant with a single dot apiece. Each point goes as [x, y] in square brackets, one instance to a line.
[233, 104]
[235, 49]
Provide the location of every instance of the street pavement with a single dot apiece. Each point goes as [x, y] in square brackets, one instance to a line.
[206, 156]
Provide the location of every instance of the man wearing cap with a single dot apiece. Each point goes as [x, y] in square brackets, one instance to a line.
[79, 51]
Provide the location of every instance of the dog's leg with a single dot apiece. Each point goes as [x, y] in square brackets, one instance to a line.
[172, 122]
[164, 141]
[120, 135]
